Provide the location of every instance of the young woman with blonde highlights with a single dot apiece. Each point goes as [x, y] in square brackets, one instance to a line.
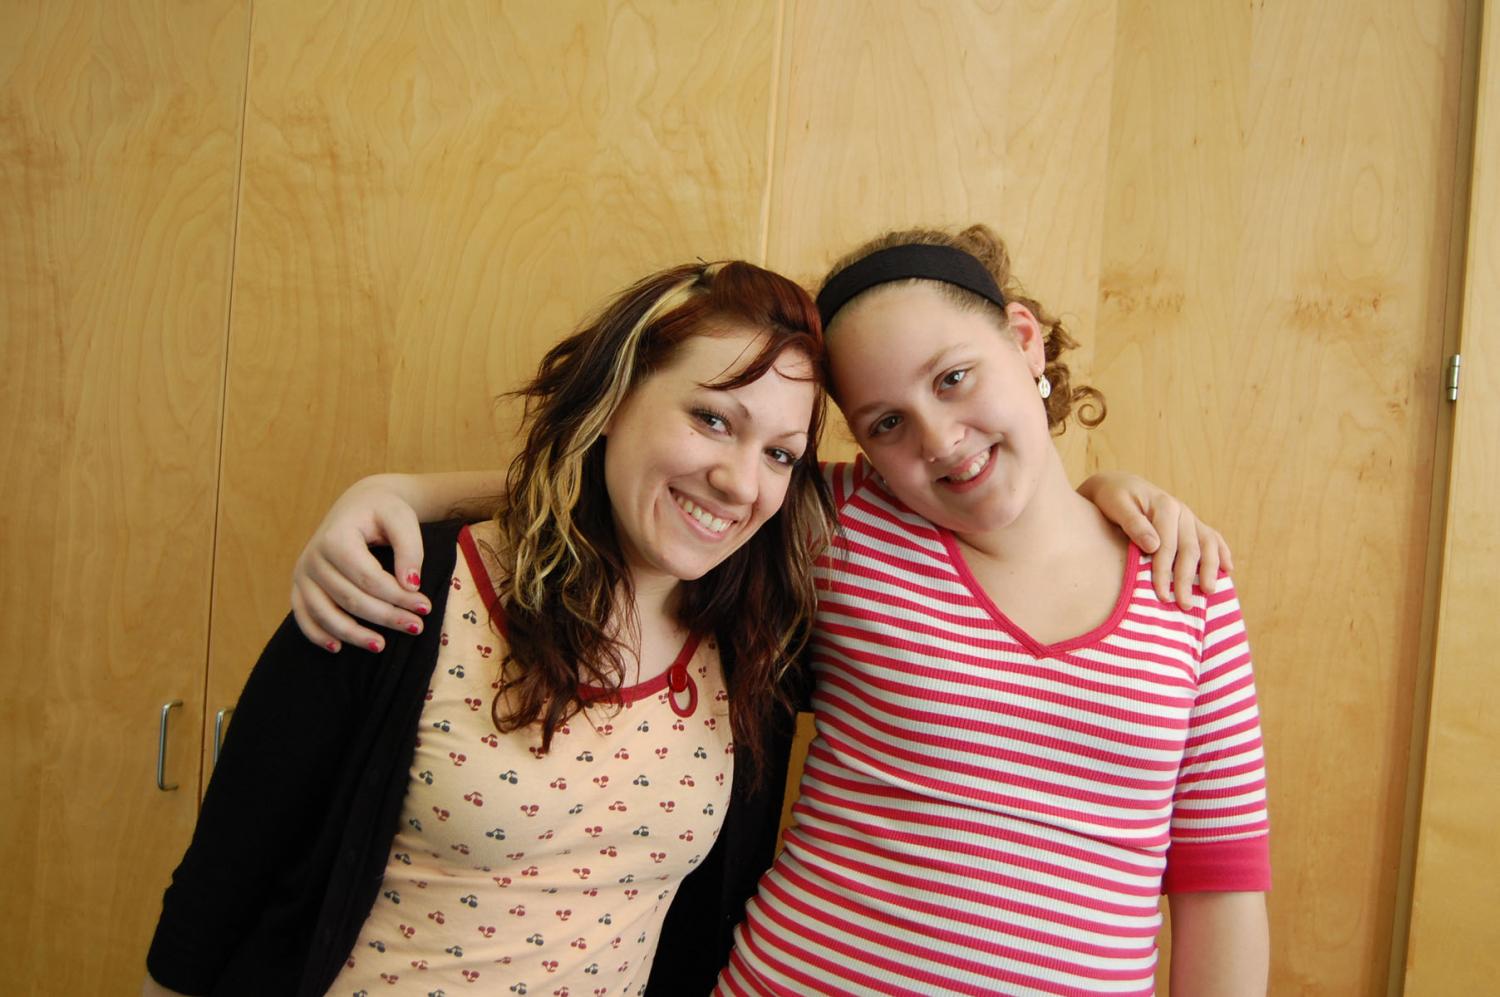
[510, 799]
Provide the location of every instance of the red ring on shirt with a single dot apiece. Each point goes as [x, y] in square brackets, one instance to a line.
[678, 680]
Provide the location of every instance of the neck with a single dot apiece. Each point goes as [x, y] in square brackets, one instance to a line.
[1054, 517]
[652, 638]
[655, 598]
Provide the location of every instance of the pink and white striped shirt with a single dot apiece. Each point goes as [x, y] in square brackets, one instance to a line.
[984, 814]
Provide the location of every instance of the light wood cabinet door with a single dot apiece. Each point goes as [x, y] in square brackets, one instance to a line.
[1454, 945]
[434, 194]
[1273, 292]
[119, 142]
[1243, 210]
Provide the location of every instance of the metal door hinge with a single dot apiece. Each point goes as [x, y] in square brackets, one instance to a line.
[1455, 362]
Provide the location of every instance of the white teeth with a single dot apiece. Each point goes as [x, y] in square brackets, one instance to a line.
[709, 522]
[972, 469]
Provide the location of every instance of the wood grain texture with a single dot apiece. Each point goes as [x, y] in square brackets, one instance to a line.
[119, 132]
[939, 113]
[1242, 208]
[1454, 944]
[434, 194]
[1271, 309]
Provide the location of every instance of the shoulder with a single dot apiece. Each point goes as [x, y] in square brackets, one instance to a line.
[847, 478]
[1202, 605]
[1214, 617]
[1222, 618]
[1208, 618]
[439, 544]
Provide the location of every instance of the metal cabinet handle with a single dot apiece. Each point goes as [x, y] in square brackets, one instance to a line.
[161, 748]
[219, 719]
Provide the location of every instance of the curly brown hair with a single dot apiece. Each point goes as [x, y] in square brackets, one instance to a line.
[567, 578]
[982, 243]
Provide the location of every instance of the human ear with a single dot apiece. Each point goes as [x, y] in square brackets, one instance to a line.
[1029, 336]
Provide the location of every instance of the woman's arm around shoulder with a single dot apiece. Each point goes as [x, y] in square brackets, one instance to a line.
[337, 582]
[1183, 548]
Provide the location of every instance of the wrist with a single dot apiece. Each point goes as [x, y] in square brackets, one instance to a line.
[379, 489]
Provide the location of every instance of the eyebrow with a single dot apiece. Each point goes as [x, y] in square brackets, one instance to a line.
[934, 362]
[743, 413]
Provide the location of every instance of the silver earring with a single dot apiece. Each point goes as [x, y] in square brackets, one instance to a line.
[1044, 386]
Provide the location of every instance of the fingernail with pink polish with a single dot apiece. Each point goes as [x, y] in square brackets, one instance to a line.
[332, 645]
[422, 610]
[374, 645]
[412, 578]
[413, 628]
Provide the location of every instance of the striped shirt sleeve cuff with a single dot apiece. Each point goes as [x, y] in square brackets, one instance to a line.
[1242, 866]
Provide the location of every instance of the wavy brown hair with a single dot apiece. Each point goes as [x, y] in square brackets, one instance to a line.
[567, 582]
[980, 242]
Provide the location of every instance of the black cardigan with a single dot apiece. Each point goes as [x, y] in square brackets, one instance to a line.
[295, 831]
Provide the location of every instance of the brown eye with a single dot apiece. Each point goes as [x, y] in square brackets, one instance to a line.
[712, 420]
[953, 378]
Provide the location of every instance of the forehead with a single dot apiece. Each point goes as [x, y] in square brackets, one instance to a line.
[721, 350]
[915, 309]
[893, 333]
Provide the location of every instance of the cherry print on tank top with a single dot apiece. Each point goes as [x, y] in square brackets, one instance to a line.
[514, 871]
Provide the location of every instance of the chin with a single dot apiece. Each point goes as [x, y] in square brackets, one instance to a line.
[692, 570]
[994, 514]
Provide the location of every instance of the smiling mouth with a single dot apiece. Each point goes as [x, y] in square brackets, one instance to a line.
[711, 523]
[972, 469]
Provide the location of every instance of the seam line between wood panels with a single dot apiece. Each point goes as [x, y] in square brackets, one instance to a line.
[773, 117]
[1092, 461]
[205, 758]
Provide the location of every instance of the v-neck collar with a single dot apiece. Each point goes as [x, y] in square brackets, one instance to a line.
[1034, 646]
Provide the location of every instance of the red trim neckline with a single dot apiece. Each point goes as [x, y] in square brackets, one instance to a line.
[1036, 647]
[675, 679]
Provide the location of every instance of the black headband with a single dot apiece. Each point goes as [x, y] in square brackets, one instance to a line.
[942, 263]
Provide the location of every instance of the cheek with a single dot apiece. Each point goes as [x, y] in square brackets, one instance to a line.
[1034, 419]
[896, 462]
[613, 475]
[773, 492]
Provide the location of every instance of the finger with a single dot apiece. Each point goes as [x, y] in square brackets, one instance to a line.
[309, 626]
[1208, 565]
[405, 534]
[347, 571]
[1140, 531]
[1185, 566]
[1164, 518]
[1226, 558]
[360, 604]
[336, 622]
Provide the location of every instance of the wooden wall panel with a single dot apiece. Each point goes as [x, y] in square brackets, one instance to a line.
[1454, 945]
[1242, 208]
[433, 194]
[119, 139]
[938, 113]
[1271, 309]
[1258, 276]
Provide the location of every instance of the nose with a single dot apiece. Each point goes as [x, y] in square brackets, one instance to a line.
[939, 437]
[735, 475]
